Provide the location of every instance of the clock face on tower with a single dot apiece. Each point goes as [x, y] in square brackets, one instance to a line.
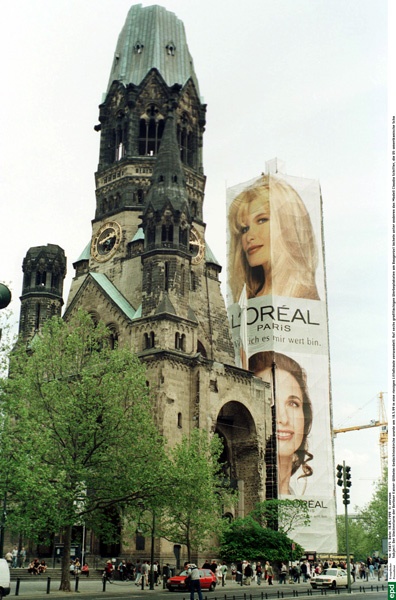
[106, 241]
[197, 246]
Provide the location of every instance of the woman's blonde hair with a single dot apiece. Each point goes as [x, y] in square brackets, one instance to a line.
[294, 256]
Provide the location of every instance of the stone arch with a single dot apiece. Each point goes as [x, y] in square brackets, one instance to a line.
[242, 459]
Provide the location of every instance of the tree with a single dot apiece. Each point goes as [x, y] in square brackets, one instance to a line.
[288, 514]
[368, 526]
[359, 542]
[374, 516]
[247, 539]
[200, 492]
[83, 425]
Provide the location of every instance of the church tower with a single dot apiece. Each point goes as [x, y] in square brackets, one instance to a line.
[147, 271]
[44, 272]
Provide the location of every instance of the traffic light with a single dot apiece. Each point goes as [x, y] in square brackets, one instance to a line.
[345, 495]
[340, 475]
[348, 481]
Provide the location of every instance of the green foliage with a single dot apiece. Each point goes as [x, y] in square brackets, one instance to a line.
[368, 527]
[199, 492]
[375, 515]
[288, 514]
[247, 539]
[80, 422]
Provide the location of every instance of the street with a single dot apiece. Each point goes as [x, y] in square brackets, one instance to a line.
[93, 590]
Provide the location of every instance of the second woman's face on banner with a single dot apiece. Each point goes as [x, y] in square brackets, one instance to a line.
[289, 412]
[255, 229]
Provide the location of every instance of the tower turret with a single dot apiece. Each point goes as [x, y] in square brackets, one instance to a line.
[44, 271]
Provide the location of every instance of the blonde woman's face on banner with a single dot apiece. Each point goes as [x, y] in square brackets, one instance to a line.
[255, 228]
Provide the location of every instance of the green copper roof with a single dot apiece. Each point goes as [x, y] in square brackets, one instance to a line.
[85, 254]
[152, 38]
[209, 256]
[139, 235]
[114, 294]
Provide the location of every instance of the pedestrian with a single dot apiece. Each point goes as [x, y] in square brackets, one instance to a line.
[14, 559]
[22, 557]
[259, 573]
[224, 570]
[195, 582]
[248, 572]
[283, 573]
[269, 571]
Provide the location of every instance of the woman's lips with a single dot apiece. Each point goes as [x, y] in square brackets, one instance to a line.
[284, 434]
[253, 249]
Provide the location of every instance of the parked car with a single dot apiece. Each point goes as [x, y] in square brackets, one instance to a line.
[178, 582]
[331, 578]
[5, 586]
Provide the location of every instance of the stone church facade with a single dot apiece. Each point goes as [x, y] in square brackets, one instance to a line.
[147, 271]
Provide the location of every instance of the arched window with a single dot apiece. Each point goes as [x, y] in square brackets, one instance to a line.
[167, 232]
[41, 278]
[113, 337]
[149, 340]
[179, 420]
[201, 349]
[177, 340]
[151, 128]
[183, 342]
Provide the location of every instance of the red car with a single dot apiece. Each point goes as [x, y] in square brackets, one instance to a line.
[178, 582]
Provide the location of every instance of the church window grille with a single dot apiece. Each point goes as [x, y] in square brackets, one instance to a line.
[54, 280]
[170, 49]
[151, 128]
[167, 232]
[151, 235]
[183, 236]
[138, 48]
[140, 196]
[166, 274]
[41, 278]
[119, 144]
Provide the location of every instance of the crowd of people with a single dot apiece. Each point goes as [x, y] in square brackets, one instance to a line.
[242, 572]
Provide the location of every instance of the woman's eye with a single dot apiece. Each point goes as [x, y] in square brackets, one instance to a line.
[263, 220]
[244, 229]
[294, 404]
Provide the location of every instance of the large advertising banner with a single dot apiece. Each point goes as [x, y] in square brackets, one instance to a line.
[277, 310]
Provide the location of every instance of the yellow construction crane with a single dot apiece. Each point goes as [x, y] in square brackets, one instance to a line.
[383, 436]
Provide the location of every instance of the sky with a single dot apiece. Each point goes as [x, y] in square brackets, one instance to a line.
[305, 81]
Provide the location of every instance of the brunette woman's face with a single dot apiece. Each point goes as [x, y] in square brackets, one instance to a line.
[288, 411]
[255, 229]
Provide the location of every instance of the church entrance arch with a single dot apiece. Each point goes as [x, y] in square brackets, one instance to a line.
[242, 459]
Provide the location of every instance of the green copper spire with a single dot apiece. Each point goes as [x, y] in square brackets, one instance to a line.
[152, 38]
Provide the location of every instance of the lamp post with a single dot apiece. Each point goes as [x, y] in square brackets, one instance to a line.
[2, 524]
[344, 481]
[152, 553]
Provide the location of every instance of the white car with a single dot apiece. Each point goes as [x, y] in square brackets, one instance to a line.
[331, 578]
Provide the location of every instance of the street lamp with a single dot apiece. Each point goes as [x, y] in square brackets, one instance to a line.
[344, 481]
